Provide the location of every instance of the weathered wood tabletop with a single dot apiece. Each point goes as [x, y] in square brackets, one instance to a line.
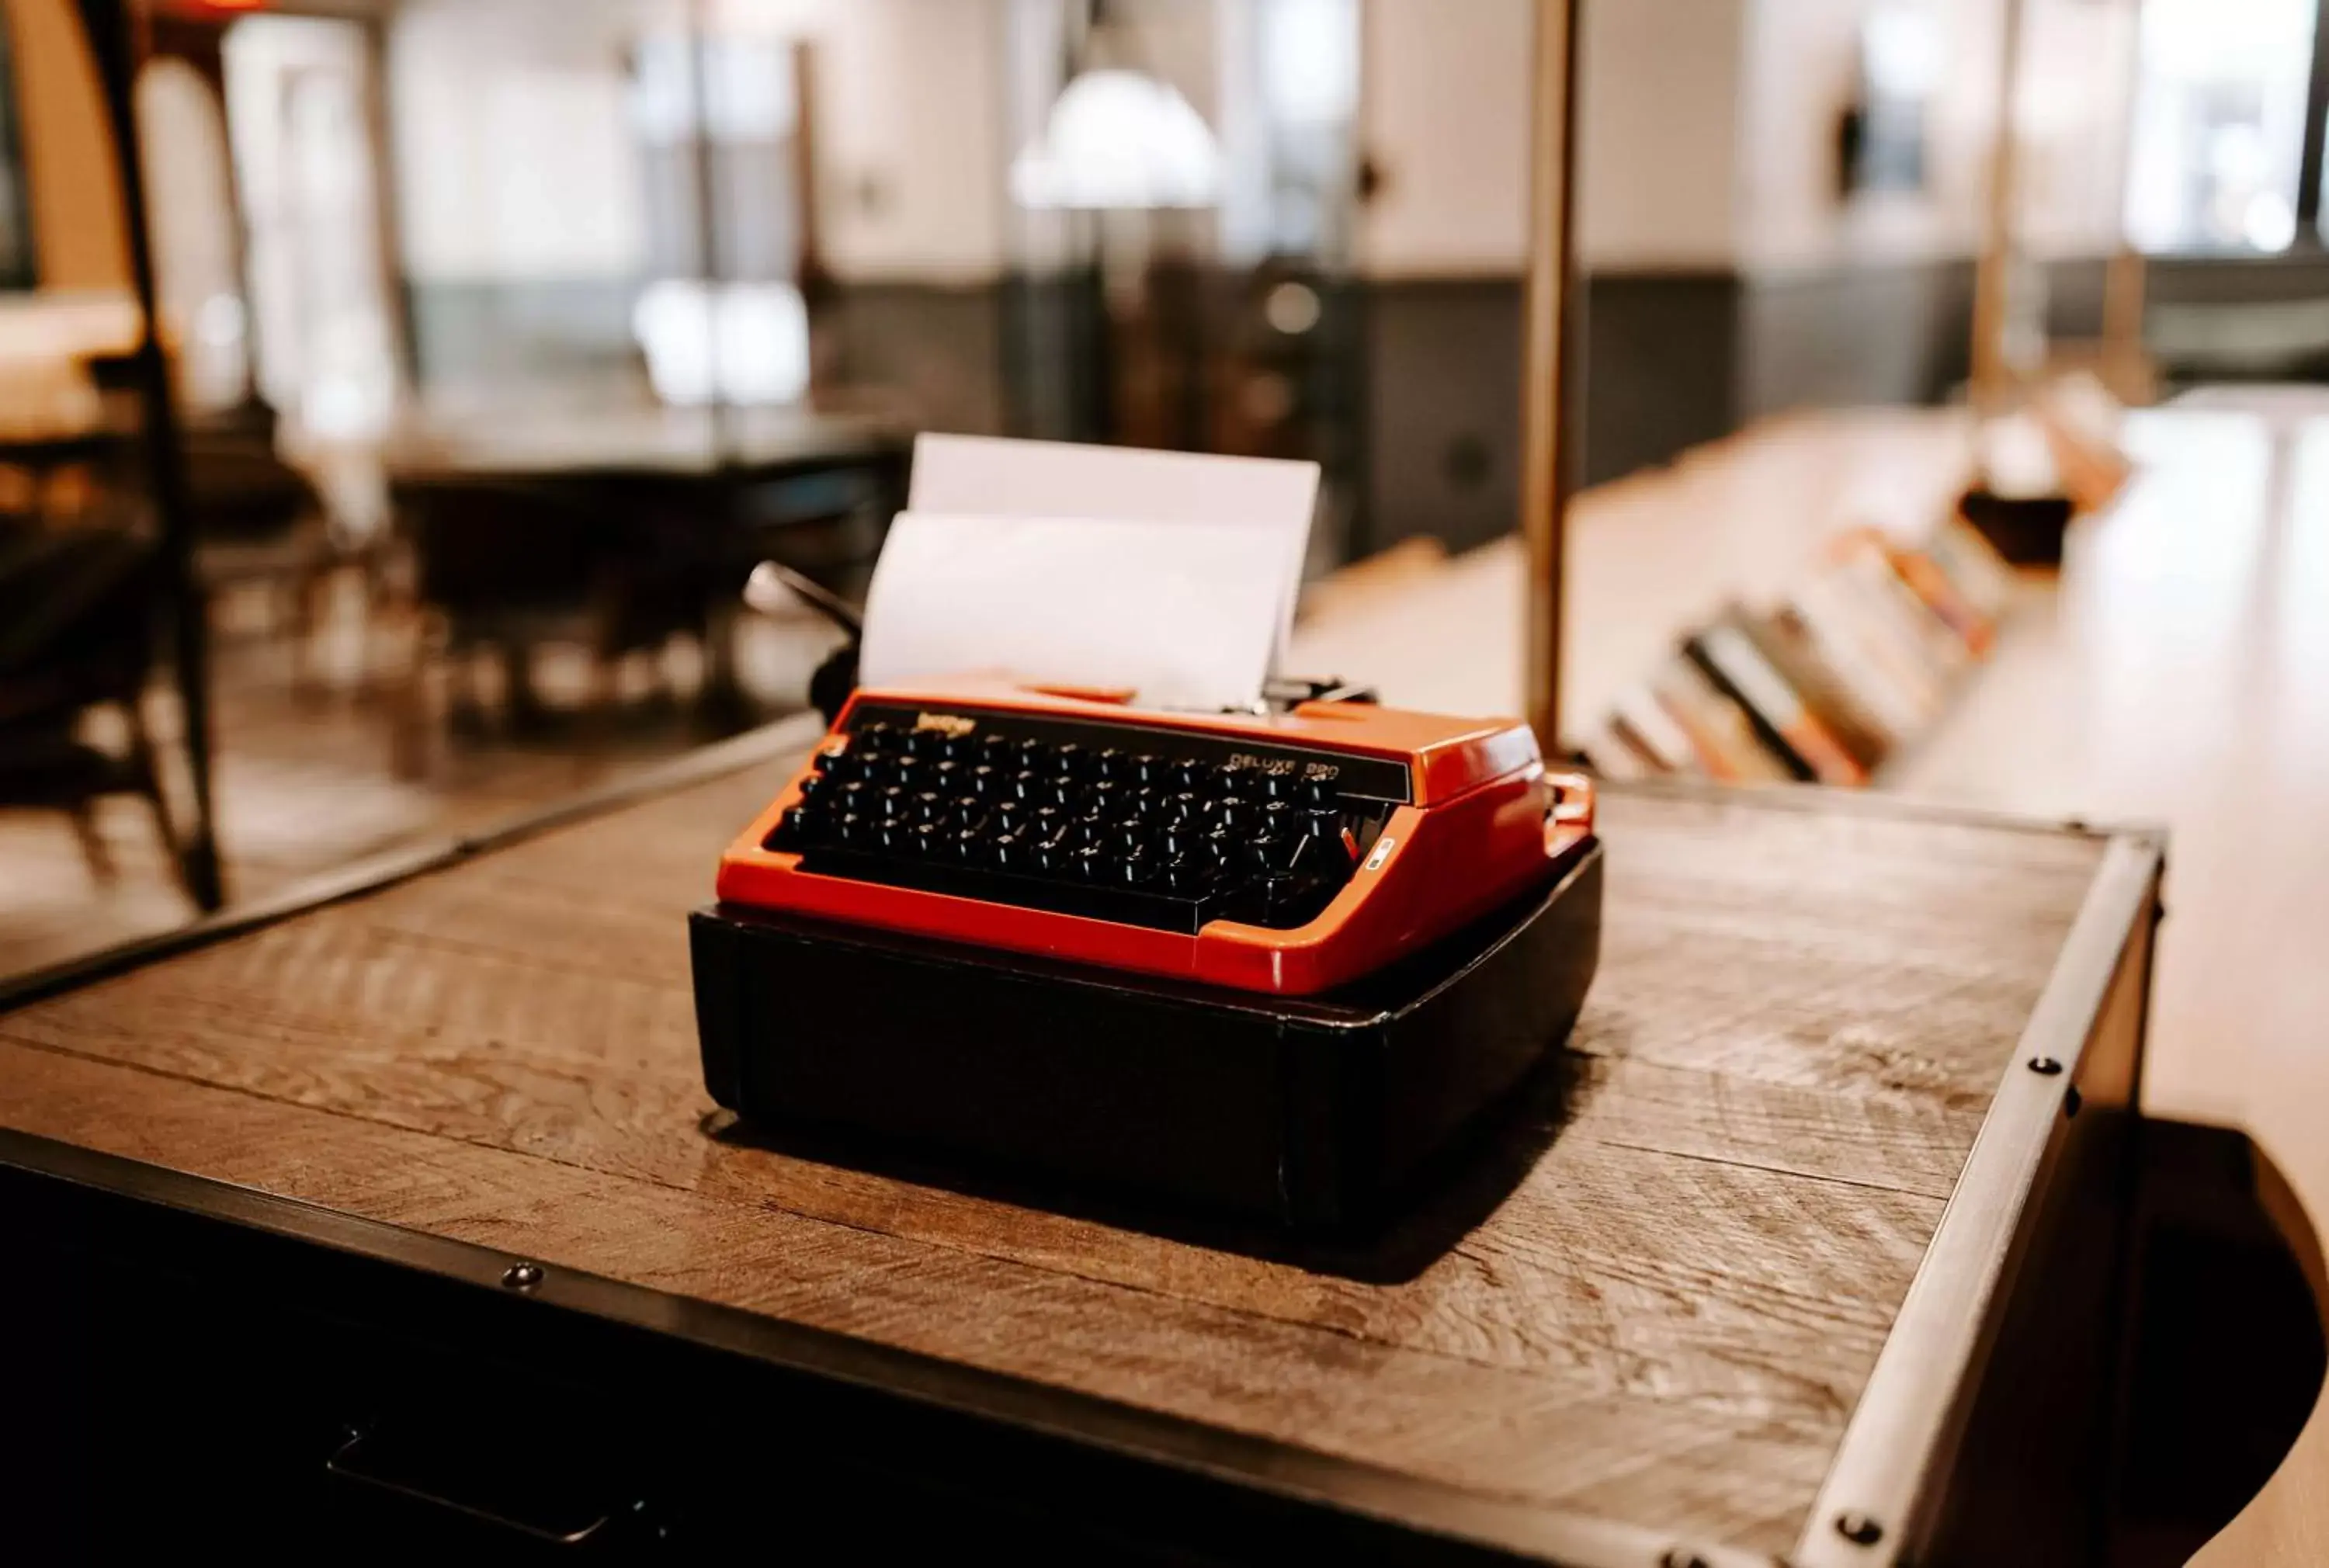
[1801, 1018]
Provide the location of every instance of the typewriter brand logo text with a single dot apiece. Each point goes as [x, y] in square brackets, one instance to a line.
[953, 724]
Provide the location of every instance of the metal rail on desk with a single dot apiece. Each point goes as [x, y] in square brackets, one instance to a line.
[766, 743]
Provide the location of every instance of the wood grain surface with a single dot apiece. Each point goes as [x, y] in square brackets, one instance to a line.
[1652, 1294]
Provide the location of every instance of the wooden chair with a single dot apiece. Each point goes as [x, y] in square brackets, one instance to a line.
[79, 612]
[508, 567]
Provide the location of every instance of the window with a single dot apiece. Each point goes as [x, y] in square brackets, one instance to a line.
[2219, 135]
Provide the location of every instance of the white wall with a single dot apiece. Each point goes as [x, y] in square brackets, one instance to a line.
[1708, 133]
[1801, 64]
[1444, 113]
[911, 101]
[1657, 178]
[515, 153]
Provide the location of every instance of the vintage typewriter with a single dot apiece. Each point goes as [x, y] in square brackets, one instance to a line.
[1264, 961]
[1291, 852]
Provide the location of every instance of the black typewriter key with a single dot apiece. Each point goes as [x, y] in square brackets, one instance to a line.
[1230, 812]
[823, 757]
[894, 834]
[1136, 868]
[1026, 784]
[947, 777]
[1182, 806]
[927, 839]
[1218, 847]
[992, 751]
[1063, 792]
[1008, 814]
[924, 743]
[968, 845]
[1273, 897]
[813, 785]
[873, 737]
[985, 782]
[1067, 758]
[927, 806]
[1266, 855]
[1034, 753]
[1317, 790]
[1106, 796]
[1145, 768]
[1047, 824]
[1087, 829]
[1189, 773]
[1180, 842]
[1277, 817]
[853, 829]
[809, 822]
[1092, 862]
[1112, 764]
[1009, 852]
[1185, 875]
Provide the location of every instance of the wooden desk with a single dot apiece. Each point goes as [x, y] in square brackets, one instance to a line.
[2174, 672]
[641, 443]
[1717, 1289]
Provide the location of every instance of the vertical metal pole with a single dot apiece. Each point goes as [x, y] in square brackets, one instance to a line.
[106, 25]
[707, 222]
[1550, 427]
[2125, 368]
[1993, 283]
[2317, 131]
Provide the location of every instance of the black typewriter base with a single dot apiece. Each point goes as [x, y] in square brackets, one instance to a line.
[1308, 1112]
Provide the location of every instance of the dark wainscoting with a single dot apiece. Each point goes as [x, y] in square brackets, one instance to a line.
[1440, 429]
[1410, 386]
[2240, 317]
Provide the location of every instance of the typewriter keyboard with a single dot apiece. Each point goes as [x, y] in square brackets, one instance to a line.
[1114, 821]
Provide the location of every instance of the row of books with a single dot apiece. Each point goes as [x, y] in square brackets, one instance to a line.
[1825, 685]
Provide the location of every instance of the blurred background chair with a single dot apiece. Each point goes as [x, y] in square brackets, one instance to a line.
[80, 608]
[261, 525]
[510, 569]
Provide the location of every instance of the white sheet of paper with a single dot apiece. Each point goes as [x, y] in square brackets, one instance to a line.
[1185, 615]
[991, 476]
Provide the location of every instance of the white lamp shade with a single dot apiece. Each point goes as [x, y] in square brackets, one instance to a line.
[1119, 139]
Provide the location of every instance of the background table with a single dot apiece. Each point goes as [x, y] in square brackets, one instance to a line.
[1722, 1283]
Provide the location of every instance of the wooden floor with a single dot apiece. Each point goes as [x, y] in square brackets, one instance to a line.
[304, 784]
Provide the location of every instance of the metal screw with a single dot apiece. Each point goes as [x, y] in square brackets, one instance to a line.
[521, 1276]
[1682, 1557]
[2045, 1067]
[1858, 1529]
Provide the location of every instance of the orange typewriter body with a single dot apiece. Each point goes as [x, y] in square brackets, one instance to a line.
[1287, 853]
